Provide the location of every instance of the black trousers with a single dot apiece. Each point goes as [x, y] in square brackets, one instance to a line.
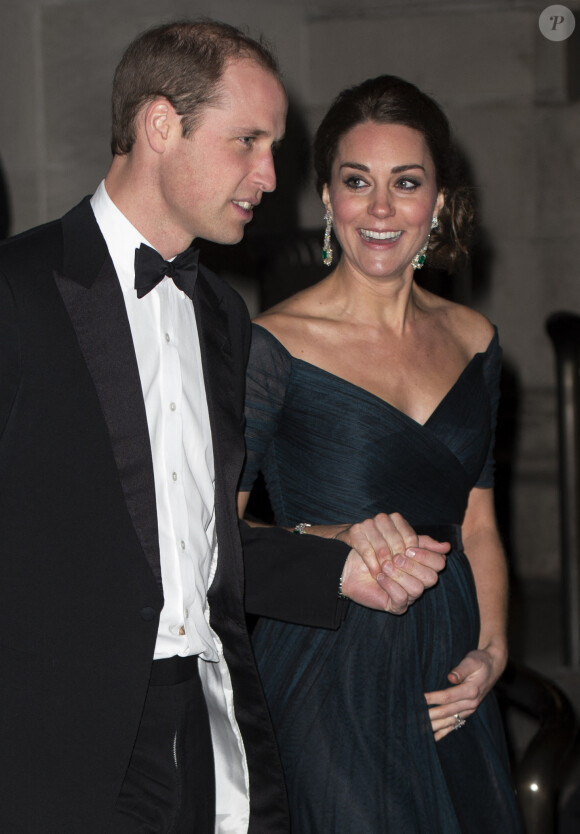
[169, 787]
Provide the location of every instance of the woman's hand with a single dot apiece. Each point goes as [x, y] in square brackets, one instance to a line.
[472, 679]
[479, 670]
[402, 563]
[389, 566]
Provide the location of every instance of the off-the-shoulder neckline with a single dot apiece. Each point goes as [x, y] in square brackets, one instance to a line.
[367, 393]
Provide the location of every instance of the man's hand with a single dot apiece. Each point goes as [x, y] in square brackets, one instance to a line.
[389, 566]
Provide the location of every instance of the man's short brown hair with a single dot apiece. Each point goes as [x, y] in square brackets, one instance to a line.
[182, 62]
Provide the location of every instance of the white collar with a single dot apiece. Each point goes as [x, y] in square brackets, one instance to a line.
[121, 237]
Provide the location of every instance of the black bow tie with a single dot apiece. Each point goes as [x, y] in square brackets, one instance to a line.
[150, 269]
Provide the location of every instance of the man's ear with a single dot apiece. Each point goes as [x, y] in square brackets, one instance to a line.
[159, 121]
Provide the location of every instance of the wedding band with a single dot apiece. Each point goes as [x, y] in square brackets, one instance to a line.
[459, 722]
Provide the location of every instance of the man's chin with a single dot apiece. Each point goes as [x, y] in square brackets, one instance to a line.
[223, 238]
[233, 238]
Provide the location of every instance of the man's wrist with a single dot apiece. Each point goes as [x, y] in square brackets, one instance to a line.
[341, 595]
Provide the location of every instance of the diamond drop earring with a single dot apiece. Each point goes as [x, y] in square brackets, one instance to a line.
[327, 252]
[421, 256]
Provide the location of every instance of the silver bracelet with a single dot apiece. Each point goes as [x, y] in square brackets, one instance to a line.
[300, 528]
[340, 594]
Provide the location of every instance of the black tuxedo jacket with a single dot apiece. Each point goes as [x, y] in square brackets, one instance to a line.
[80, 579]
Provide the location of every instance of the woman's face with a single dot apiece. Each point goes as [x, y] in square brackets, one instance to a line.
[383, 195]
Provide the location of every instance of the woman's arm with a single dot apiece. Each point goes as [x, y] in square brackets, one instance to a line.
[473, 678]
[384, 550]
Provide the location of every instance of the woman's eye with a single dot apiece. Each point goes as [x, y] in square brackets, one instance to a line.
[355, 182]
[408, 184]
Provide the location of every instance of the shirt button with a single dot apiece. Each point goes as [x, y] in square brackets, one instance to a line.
[174, 476]
[167, 337]
[172, 406]
[182, 545]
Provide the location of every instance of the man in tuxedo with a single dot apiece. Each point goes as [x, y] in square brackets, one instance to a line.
[127, 677]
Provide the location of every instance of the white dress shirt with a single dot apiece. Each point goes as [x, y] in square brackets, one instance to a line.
[166, 344]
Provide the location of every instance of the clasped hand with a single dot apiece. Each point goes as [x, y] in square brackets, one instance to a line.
[389, 566]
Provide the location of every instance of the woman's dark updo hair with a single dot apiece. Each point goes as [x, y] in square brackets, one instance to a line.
[391, 100]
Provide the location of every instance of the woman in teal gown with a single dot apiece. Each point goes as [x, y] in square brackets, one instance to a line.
[367, 395]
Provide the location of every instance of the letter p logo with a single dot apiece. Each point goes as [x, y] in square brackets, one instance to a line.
[556, 23]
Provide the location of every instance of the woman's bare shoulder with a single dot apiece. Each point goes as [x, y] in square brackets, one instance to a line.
[469, 328]
[473, 328]
[289, 320]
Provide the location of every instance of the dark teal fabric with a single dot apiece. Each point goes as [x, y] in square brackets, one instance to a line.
[347, 705]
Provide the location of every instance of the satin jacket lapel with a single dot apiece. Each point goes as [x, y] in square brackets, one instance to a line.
[91, 292]
[221, 386]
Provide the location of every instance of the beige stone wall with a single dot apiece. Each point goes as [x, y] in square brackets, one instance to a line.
[510, 94]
